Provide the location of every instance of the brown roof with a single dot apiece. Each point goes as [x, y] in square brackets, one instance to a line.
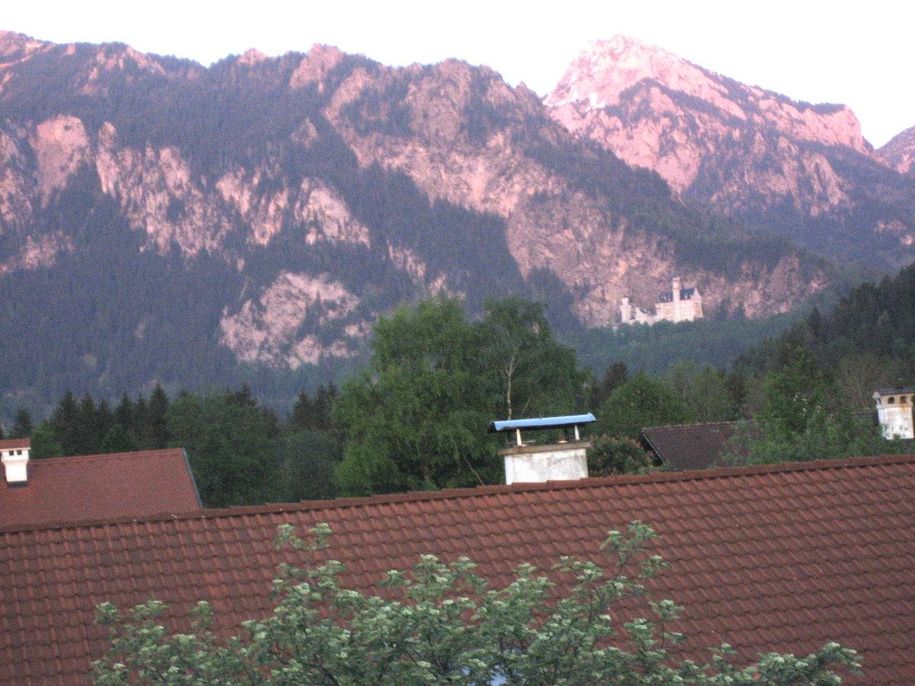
[767, 558]
[688, 446]
[13, 443]
[64, 489]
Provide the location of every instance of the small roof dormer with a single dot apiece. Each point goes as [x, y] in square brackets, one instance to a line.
[14, 453]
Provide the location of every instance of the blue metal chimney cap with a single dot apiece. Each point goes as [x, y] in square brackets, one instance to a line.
[542, 422]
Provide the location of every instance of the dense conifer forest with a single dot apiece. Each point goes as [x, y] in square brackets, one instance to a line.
[414, 417]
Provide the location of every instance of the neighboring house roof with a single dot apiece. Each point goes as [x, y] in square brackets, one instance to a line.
[778, 558]
[688, 446]
[66, 489]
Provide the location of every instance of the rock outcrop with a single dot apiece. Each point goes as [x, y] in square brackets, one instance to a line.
[900, 152]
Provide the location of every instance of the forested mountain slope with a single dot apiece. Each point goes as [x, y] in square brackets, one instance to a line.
[161, 221]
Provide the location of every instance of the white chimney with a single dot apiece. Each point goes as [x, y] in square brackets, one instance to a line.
[894, 412]
[14, 453]
[566, 460]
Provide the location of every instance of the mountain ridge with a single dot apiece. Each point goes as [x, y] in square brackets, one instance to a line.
[781, 166]
[274, 207]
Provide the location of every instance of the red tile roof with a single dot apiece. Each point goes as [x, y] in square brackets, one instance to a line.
[13, 443]
[776, 558]
[64, 489]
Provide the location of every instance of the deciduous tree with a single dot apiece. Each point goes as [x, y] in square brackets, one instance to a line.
[442, 623]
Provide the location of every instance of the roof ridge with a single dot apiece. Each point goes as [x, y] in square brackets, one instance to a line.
[676, 426]
[103, 456]
[481, 491]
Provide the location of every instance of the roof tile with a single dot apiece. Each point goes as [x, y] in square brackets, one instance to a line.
[99, 487]
[775, 558]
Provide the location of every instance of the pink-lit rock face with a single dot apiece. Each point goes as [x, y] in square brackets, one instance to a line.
[267, 329]
[60, 147]
[900, 152]
[319, 61]
[550, 224]
[307, 217]
[752, 147]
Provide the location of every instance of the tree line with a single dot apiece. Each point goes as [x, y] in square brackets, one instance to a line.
[415, 416]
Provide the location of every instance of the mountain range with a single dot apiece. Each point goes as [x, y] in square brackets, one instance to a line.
[165, 222]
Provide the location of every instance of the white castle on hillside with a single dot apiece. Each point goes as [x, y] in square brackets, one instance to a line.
[676, 305]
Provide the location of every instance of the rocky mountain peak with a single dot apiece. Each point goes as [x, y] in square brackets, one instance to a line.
[900, 151]
[316, 64]
[252, 56]
[607, 68]
[749, 152]
[16, 47]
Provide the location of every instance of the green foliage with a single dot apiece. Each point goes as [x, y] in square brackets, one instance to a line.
[232, 445]
[416, 418]
[639, 402]
[442, 623]
[796, 394]
[709, 394]
[615, 375]
[22, 425]
[310, 457]
[804, 416]
[609, 456]
[653, 349]
[532, 374]
[44, 442]
[314, 413]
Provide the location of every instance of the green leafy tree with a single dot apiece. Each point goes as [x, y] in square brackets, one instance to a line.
[155, 429]
[415, 419]
[44, 441]
[615, 375]
[22, 424]
[805, 416]
[531, 373]
[796, 394]
[119, 439]
[233, 448]
[310, 457]
[609, 455]
[705, 391]
[314, 413]
[641, 401]
[442, 623]
[65, 424]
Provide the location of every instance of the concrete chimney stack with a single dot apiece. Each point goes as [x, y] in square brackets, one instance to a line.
[565, 460]
[14, 453]
[894, 412]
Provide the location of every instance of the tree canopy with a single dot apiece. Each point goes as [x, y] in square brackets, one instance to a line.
[442, 623]
[416, 418]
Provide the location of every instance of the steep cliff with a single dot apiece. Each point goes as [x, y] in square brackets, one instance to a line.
[162, 221]
[785, 168]
[900, 152]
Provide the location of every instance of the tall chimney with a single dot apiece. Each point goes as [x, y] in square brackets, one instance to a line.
[894, 412]
[566, 460]
[14, 453]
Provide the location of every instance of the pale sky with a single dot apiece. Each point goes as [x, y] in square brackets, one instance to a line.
[855, 53]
